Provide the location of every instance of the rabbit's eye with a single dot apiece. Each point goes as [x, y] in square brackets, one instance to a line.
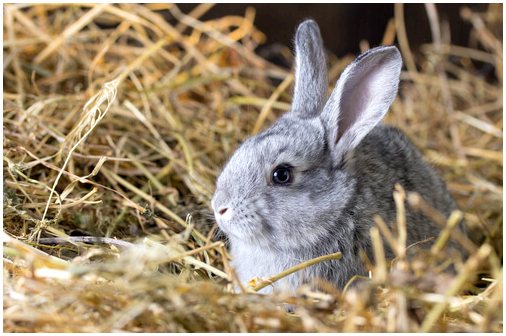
[282, 174]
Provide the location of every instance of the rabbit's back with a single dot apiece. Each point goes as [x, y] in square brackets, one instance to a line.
[383, 158]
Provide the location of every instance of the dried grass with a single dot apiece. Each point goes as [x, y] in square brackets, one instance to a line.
[116, 124]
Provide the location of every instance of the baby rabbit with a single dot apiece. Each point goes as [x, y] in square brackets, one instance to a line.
[311, 183]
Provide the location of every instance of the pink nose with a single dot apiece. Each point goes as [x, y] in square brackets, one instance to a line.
[222, 211]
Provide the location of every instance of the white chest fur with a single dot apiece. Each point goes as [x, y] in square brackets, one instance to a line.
[252, 261]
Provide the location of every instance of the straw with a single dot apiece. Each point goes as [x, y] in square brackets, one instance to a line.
[117, 121]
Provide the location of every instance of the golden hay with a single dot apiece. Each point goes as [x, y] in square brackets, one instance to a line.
[116, 124]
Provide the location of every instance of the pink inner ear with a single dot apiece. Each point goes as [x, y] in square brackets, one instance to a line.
[354, 101]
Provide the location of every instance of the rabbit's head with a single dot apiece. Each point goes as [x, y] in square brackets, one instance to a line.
[285, 187]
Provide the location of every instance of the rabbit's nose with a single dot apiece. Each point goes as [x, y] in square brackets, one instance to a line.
[224, 213]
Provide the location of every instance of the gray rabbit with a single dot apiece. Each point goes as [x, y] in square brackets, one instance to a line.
[311, 183]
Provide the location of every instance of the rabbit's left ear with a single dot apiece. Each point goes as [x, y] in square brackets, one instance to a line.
[361, 98]
[310, 89]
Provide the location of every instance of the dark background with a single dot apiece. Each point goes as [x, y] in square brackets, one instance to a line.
[343, 26]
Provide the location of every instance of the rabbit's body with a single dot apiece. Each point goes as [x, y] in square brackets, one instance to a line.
[311, 183]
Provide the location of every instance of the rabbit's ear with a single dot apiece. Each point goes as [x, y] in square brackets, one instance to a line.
[310, 90]
[361, 98]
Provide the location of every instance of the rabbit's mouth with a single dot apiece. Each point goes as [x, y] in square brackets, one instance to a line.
[247, 229]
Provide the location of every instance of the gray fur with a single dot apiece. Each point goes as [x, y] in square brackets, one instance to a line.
[345, 168]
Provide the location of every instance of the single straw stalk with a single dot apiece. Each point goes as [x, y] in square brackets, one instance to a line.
[270, 280]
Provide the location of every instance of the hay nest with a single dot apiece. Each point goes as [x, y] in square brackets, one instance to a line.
[116, 124]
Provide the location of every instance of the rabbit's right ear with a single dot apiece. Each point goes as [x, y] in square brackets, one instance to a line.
[361, 98]
[310, 90]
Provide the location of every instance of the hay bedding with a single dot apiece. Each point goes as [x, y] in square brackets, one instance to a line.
[116, 123]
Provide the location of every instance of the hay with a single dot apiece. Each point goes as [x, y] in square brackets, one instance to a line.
[116, 124]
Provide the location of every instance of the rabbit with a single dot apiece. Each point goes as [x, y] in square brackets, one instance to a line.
[310, 184]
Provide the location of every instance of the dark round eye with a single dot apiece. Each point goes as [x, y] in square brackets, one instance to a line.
[282, 175]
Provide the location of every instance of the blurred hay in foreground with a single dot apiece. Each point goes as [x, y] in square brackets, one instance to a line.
[135, 161]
